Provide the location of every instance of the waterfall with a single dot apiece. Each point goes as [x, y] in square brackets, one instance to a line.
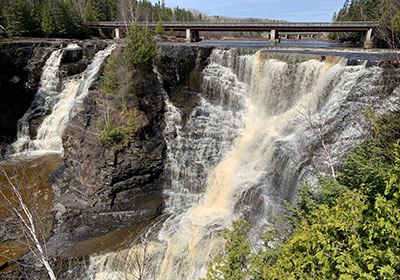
[61, 104]
[244, 149]
[49, 86]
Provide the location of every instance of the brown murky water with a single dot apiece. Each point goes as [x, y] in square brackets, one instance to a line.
[32, 178]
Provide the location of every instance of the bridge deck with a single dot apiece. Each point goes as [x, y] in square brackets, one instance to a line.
[267, 26]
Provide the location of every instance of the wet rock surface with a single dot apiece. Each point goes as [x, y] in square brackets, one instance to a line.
[181, 67]
[20, 68]
[21, 63]
[105, 189]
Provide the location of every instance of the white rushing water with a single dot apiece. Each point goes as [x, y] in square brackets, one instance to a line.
[61, 104]
[244, 149]
[49, 87]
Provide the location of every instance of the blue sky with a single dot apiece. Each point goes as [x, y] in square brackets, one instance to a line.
[290, 10]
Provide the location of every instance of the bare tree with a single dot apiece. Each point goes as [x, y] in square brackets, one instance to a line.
[316, 123]
[389, 29]
[139, 263]
[135, 263]
[23, 213]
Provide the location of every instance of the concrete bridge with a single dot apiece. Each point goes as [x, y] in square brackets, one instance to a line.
[193, 28]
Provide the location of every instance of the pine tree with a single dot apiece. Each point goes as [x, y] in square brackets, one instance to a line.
[140, 47]
[160, 28]
[47, 23]
[20, 18]
[90, 15]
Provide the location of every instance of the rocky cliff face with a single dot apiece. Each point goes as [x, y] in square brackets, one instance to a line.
[181, 70]
[101, 188]
[20, 66]
[21, 63]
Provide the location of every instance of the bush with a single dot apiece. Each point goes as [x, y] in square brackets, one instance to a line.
[131, 119]
[110, 134]
[112, 80]
[119, 82]
[347, 230]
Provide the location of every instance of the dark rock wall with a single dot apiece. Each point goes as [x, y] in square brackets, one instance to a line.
[101, 189]
[20, 68]
[181, 69]
[112, 179]
[98, 184]
[21, 63]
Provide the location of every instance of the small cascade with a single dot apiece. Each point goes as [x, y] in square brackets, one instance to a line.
[43, 100]
[56, 106]
[244, 149]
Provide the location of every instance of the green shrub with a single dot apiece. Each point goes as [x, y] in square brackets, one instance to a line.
[234, 265]
[112, 78]
[131, 118]
[349, 229]
[110, 134]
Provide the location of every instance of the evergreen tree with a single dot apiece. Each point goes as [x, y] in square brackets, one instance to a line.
[72, 20]
[349, 229]
[47, 23]
[140, 47]
[235, 264]
[160, 28]
[68, 17]
[90, 15]
[20, 18]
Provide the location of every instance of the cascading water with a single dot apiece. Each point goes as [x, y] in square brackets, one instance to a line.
[49, 84]
[243, 151]
[61, 104]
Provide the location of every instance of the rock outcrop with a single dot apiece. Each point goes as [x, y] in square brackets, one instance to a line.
[101, 189]
[20, 67]
[21, 63]
[181, 67]
[107, 188]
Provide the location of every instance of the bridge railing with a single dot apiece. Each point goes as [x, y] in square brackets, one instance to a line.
[371, 24]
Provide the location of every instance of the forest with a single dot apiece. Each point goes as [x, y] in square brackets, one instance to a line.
[386, 12]
[68, 18]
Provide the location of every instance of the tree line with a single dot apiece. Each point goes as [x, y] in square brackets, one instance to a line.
[386, 12]
[69, 18]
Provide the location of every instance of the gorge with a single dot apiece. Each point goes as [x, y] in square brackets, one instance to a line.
[224, 133]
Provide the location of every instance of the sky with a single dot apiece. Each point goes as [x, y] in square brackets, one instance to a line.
[290, 10]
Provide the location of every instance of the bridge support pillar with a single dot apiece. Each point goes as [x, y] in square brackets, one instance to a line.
[116, 33]
[192, 36]
[274, 38]
[101, 33]
[366, 40]
[196, 36]
[188, 35]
